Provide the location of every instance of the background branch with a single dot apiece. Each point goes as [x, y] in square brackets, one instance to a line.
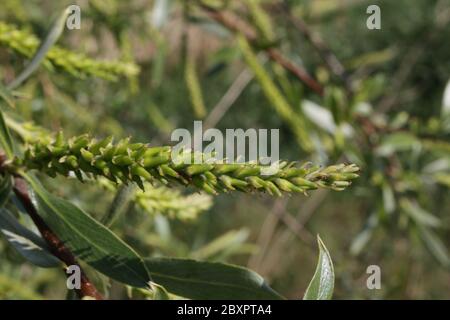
[235, 24]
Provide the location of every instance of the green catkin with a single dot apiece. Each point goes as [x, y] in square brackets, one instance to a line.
[276, 99]
[261, 20]
[194, 87]
[171, 203]
[136, 162]
[77, 64]
[161, 200]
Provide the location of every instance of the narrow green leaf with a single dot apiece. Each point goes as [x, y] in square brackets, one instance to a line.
[159, 292]
[7, 96]
[396, 142]
[389, 203]
[5, 189]
[50, 40]
[322, 284]
[363, 238]
[89, 240]
[435, 246]
[27, 243]
[419, 215]
[207, 280]
[5, 138]
[446, 101]
[194, 87]
[222, 246]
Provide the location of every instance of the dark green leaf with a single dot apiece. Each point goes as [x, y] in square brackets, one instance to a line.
[5, 189]
[322, 284]
[88, 239]
[207, 280]
[27, 243]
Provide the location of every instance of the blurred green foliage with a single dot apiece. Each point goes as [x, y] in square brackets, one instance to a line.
[387, 113]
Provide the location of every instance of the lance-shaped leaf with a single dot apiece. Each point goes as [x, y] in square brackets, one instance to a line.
[435, 245]
[5, 189]
[39, 56]
[27, 243]
[207, 280]
[419, 215]
[322, 284]
[5, 138]
[89, 240]
[6, 96]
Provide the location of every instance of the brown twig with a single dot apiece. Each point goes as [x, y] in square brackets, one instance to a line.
[236, 24]
[325, 53]
[56, 246]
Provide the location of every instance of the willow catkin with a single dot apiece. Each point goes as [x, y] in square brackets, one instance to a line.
[77, 64]
[139, 163]
[261, 20]
[194, 87]
[171, 203]
[158, 199]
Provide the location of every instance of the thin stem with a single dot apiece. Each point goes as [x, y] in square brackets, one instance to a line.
[235, 24]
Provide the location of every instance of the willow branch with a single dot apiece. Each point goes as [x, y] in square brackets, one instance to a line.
[325, 53]
[235, 24]
[56, 246]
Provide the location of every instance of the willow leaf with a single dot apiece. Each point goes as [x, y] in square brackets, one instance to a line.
[322, 284]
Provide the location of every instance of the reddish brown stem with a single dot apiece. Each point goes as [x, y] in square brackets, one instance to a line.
[236, 24]
[56, 246]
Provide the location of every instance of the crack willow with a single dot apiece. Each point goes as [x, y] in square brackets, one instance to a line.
[126, 162]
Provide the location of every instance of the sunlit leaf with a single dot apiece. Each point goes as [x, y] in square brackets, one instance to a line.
[322, 284]
[7, 96]
[446, 101]
[443, 178]
[396, 142]
[363, 238]
[160, 13]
